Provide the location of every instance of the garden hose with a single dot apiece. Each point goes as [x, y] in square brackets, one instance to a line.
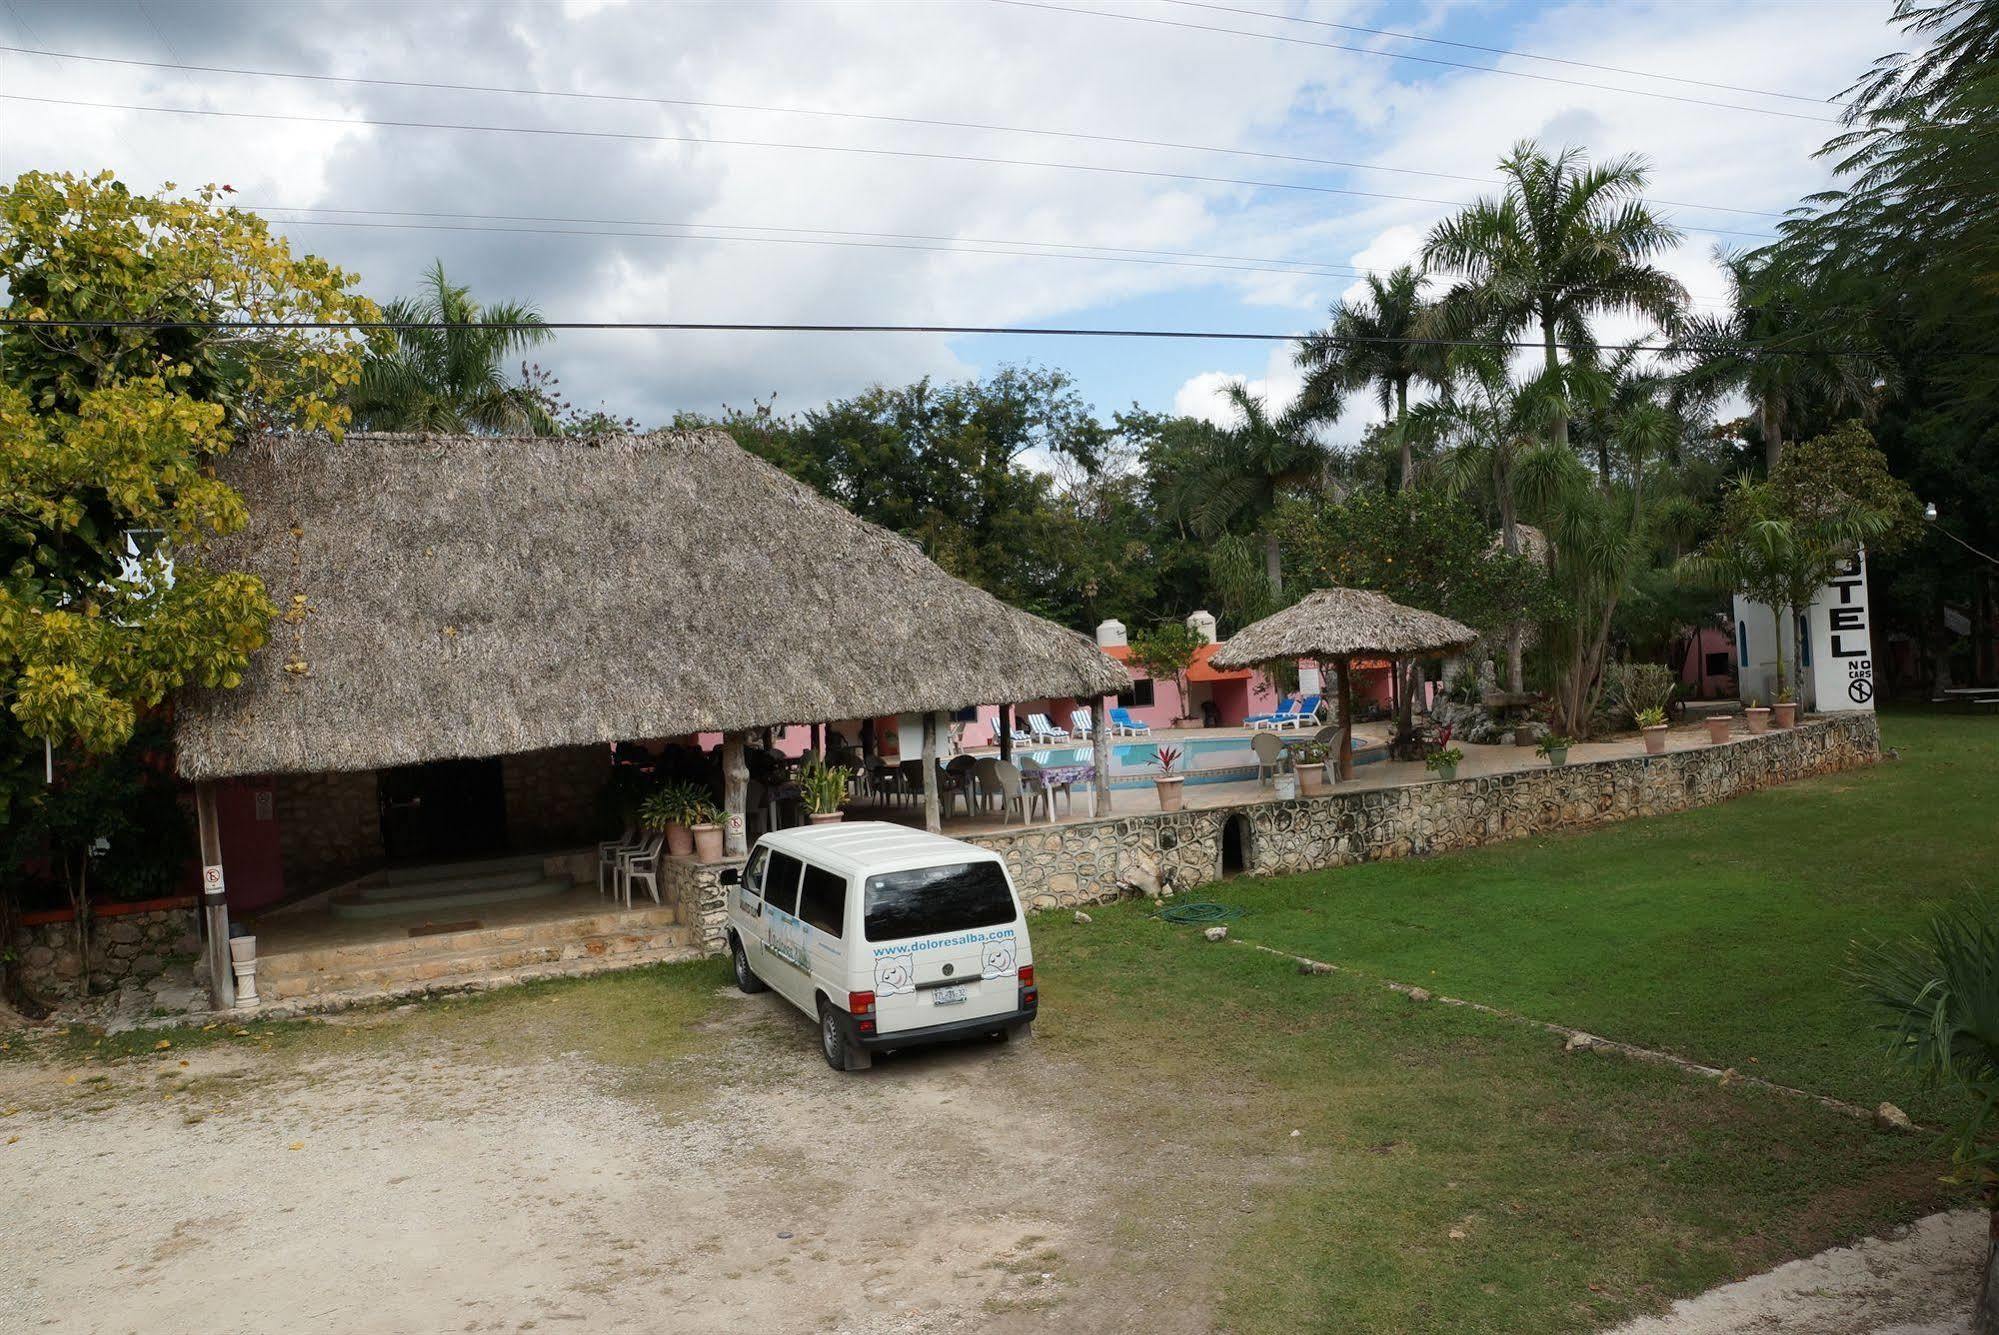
[1199, 912]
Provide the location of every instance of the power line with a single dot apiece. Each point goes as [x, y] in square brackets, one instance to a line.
[635, 136]
[1423, 60]
[432, 85]
[744, 327]
[953, 245]
[1503, 51]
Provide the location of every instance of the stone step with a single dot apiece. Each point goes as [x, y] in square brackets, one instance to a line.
[337, 1000]
[457, 971]
[434, 945]
[448, 897]
[445, 871]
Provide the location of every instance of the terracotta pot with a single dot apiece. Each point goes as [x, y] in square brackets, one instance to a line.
[1169, 793]
[679, 841]
[1784, 713]
[1312, 780]
[1758, 721]
[828, 817]
[707, 843]
[1655, 740]
[1719, 729]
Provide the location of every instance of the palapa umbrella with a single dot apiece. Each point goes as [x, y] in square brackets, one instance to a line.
[1336, 626]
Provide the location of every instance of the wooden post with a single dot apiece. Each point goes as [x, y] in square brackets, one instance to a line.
[1006, 732]
[214, 902]
[819, 740]
[1100, 755]
[1346, 718]
[735, 797]
[933, 817]
[869, 749]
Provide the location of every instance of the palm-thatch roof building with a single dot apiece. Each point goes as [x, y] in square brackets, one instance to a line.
[1337, 626]
[447, 600]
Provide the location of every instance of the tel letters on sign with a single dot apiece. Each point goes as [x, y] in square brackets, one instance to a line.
[1842, 648]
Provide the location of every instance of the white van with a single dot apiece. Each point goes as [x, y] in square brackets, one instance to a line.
[889, 936]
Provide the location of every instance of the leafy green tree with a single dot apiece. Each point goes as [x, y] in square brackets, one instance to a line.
[1793, 350]
[1940, 989]
[1567, 240]
[107, 604]
[454, 379]
[1377, 342]
[1232, 486]
[1167, 650]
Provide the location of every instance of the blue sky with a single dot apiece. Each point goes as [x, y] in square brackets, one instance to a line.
[1002, 65]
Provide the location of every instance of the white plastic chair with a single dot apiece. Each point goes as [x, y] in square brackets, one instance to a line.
[1012, 793]
[641, 864]
[608, 853]
[1269, 755]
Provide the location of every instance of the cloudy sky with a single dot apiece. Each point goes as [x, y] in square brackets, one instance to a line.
[829, 204]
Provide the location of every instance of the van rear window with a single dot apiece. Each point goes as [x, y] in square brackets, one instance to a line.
[930, 901]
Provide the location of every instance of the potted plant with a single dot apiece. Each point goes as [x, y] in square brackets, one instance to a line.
[1718, 729]
[1443, 762]
[667, 809]
[1310, 761]
[1168, 783]
[1756, 716]
[704, 823]
[1555, 747]
[1652, 722]
[824, 788]
[1784, 708]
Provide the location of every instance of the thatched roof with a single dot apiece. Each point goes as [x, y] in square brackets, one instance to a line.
[1338, 623]
[470, 596]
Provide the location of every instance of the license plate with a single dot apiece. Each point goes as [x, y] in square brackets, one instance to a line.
[949, 996]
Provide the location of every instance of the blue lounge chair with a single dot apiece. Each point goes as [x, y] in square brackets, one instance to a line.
[1123, 724]
[1307, 712]
[1287, 709]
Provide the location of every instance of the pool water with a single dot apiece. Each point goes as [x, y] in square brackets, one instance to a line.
[1136, 764]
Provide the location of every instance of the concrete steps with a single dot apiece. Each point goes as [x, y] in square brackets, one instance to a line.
[446, 961]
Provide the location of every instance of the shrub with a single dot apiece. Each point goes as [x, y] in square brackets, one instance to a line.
[1633, 688]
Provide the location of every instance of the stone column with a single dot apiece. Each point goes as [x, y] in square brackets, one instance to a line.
[933, 816]
[735, 797]
[214, 903]
[1100, 754]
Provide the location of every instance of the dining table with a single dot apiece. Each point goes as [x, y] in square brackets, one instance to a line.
[1051, 779]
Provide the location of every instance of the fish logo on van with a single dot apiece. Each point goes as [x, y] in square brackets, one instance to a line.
[998, 961]
[894, 975]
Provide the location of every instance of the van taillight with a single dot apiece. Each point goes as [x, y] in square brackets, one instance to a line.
[1027, 975]
[860, 1003]
[1029, 994]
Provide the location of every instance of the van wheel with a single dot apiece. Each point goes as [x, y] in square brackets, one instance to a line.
[840, 1055]
[746, 977]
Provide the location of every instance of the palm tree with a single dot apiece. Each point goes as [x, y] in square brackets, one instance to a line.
[1374, 342]
[1566, 241]
[1236, 481]
[451, 379]
[1783, 346]
[1942, 989]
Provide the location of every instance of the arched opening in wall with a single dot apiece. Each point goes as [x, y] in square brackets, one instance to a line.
[1236, 851]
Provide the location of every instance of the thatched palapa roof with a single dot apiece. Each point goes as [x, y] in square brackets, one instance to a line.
[1342, 623]
[467, 596]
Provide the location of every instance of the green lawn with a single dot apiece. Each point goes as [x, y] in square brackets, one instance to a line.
[1719, 934]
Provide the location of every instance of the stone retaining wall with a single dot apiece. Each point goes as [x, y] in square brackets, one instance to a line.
[1099, 860]
[122, 946]
[330, 827]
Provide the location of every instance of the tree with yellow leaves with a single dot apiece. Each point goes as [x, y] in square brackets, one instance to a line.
[137, 348]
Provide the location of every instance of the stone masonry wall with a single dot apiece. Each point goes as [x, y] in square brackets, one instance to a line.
[552, 795]
[127, 945]
[1098, 860]
[699, 898]
[331, 827]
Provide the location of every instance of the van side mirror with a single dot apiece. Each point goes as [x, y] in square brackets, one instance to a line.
[730, 876]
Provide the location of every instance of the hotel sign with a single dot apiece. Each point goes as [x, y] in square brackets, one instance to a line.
[1842, 647]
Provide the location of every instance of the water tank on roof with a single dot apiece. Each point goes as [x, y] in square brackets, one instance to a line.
[1110, 634]
[1203, 625]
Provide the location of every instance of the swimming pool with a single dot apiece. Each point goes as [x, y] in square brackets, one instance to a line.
[1135, 764]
